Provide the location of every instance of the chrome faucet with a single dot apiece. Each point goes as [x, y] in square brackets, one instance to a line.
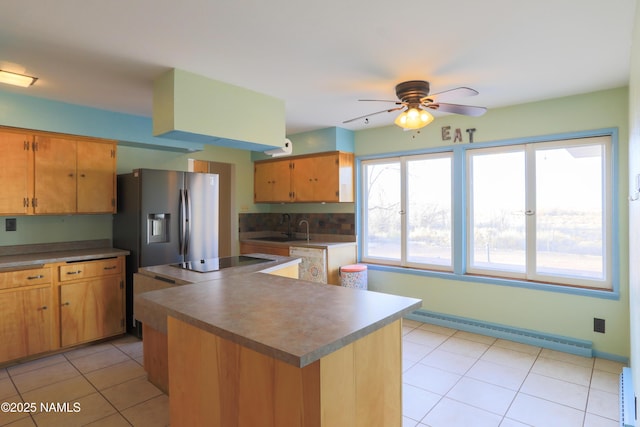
[304, 221]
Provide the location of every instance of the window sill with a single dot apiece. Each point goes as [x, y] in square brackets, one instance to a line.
[594, 293]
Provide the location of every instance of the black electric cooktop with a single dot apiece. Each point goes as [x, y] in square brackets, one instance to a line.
[215, 264]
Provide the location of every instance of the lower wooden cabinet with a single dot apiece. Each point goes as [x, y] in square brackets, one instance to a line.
[91, 296]
[27, 322]
[90, 310]
[59, 305]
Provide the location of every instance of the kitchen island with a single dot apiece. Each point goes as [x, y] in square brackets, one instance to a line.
[259, 349]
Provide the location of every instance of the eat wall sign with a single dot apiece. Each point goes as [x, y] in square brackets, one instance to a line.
[457, 134]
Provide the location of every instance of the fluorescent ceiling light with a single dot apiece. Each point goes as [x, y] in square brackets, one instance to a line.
[16, 79]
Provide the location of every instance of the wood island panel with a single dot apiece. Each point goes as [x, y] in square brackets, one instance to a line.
[291, 271]
[155, 357]
[216, 382]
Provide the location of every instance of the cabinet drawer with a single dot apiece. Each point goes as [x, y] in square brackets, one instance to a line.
[29, 277]
[83, 270]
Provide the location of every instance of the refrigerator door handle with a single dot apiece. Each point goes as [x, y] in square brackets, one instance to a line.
[182, 220]
[187, 223]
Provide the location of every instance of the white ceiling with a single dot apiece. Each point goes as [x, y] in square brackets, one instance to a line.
[319, 57]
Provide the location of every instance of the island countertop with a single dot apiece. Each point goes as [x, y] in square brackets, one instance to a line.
[186, 277]
[292, 320]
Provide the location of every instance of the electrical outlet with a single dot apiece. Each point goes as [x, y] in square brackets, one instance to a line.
[10, 224]
[598, 325]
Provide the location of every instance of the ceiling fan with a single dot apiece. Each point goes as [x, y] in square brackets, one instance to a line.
[414, 99]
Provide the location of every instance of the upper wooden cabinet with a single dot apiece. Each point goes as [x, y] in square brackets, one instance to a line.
[272, 182]
[96, 177]
[56, 174]
[321, 177]
[16, 172]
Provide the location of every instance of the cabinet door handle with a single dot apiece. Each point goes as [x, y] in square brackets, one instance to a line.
[65, 303]
[39, 276]
[113, 267]
[74, 272]
[44, 307]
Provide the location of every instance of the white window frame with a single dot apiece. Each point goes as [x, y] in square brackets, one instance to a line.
[530, 273]
[364, 209]
[403, 261]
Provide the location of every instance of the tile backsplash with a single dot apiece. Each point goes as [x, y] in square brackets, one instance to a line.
[325, 223]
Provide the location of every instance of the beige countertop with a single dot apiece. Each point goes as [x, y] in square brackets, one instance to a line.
[25, 256]
[292, 320]
[185, 277]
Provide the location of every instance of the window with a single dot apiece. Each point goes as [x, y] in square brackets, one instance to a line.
[407, 205]
[383, 206]
[540, 212]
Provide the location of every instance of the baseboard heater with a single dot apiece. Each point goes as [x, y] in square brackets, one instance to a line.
[525, 336]
[627, 399]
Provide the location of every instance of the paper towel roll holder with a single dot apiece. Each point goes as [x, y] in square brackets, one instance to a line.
[282, 151]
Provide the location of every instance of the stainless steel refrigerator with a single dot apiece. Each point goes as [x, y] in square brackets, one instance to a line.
[165, 217]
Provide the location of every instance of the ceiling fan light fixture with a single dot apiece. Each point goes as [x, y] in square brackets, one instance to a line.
[413, 118]
[16, 79]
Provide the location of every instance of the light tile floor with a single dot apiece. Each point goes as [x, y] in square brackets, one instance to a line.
[105, 380]
[454, 378]
[451, 378]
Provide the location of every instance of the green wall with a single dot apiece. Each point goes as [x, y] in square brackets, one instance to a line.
[195, 108]
[56, 228]
[551, 312]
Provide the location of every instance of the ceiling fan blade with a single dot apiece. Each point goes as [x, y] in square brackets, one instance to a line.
[389, 110]
[447, 95]
[383, 100]
[467, 110]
